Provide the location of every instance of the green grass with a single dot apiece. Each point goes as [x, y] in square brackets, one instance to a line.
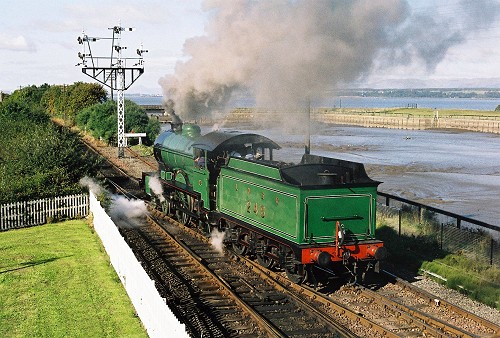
[479, 281]
[142, 150]
[56, 281]
[420, 251]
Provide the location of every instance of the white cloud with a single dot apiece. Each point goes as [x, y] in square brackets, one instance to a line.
[16, 43]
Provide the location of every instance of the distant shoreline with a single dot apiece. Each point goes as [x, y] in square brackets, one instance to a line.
[405, 118]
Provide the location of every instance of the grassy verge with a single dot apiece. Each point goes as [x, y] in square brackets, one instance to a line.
[142, 150]
[418, 252]
[56, 281]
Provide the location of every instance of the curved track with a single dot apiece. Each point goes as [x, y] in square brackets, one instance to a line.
[275, 311]
[212, 300]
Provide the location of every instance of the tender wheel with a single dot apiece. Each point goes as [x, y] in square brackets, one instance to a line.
[264, 258]
[239, 247]
[295, 271]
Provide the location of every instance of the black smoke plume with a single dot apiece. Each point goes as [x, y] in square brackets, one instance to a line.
[284, 52]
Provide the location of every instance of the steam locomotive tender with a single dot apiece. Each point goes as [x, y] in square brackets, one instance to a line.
[312, 219]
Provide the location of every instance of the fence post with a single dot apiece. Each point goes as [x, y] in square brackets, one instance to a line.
[492, 243]
[400, 217]
[442, 232]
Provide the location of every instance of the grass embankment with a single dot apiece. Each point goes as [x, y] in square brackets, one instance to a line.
[56, 281]
[419, 252]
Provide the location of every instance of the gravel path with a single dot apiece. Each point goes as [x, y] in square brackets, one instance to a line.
[454, 297]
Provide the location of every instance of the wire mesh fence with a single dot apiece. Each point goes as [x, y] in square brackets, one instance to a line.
[452, 232]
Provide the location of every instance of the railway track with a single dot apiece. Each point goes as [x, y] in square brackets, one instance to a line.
[227, 290]
[433, 310]
[389, 316]
[216, 301]
[369, 313]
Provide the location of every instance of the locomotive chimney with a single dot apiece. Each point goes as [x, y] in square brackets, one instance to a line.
[176, 123]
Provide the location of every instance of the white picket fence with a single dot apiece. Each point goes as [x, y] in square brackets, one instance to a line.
[151, 308]
[29, 213]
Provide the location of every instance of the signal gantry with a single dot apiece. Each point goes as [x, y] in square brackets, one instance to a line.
[114, 71]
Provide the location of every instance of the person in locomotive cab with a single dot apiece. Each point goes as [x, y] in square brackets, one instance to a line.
[199, 160]
[258, 153]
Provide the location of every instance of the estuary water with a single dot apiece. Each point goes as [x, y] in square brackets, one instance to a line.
[362, 102]
[456, 171]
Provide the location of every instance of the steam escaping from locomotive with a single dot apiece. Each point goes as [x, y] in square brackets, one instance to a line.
[92, 185]
[129, 213]
[217, 240]
[156, 187]
[285, 52]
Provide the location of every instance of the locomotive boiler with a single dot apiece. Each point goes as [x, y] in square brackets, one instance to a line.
[312, 219]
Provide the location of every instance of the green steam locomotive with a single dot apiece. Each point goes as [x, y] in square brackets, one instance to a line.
[312, 219]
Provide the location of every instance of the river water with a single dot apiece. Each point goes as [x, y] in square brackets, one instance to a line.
[362, 102]
[456, 171]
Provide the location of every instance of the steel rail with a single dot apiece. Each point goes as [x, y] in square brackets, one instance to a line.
[442, 302]
[266, 325]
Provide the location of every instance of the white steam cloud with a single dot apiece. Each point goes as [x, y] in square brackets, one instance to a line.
[128, 212]
[92, 185]
[156, 187]
[217, 240]
[285, 52]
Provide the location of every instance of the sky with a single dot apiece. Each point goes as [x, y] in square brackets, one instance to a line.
[234, 43]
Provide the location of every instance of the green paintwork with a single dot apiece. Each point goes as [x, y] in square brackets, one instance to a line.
[293, 212]
[178, 153]
[255, 167]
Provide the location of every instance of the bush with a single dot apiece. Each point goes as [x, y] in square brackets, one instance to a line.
[37, 158]
[101, 121]
[67, 101]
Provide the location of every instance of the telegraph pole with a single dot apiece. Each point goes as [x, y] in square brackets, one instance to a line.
[113, 72]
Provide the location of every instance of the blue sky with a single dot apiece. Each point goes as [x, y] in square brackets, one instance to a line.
[38, 42]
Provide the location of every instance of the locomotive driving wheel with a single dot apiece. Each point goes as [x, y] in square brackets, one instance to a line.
[166, 206]
[295, 271]
[185, 202]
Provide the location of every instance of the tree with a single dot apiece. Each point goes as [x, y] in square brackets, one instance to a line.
[17, 109]
[30, 95]
[79, 96]
[51, 100]
[497, 108]
[101, 121]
